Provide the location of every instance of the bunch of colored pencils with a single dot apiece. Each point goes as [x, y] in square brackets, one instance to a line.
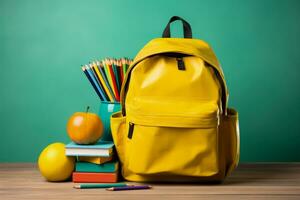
[106, 76]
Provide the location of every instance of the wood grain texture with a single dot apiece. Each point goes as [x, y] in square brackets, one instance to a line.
[249, 181]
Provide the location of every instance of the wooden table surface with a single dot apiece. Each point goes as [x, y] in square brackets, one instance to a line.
[249, 181]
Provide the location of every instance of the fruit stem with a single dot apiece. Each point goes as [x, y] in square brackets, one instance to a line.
[87, 109]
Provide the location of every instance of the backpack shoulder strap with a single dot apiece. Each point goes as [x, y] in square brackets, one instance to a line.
[187, 45]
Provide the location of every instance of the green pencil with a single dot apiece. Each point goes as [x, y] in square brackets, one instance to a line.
[124, 66]
[104, 185]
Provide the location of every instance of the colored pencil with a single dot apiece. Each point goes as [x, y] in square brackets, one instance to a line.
[121, 70]
[102, 71]
[102, 91]
[109, 77]
[119, 76]
[91, 81]
[124, 66]
[104, 185]
[106, 77]
[116, 73]
[113, 78]
[131, 187]
[102, 81]
[95, 82]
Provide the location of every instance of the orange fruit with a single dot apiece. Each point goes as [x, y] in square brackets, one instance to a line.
[85, 128]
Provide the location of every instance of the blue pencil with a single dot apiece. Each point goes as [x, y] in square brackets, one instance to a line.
[91, 81]
[95, 82]
[99, 82]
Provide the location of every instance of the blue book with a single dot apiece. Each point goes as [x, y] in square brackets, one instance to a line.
[100, 149]
[108, 167]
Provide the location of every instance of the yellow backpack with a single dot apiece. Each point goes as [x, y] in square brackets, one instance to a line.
[175, 124]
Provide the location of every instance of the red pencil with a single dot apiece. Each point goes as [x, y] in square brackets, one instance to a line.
[113, 78]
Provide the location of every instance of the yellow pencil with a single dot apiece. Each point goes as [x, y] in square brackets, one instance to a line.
[102, 82]
[106, 64]
[107, 74]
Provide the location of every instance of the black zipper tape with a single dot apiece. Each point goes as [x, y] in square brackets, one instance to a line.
[130, 130]
[180, 64]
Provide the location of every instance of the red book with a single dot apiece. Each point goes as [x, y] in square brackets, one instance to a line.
[87, 177]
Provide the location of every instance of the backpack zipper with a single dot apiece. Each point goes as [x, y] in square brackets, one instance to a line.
[179, 59]
[130, 130]
[180, 63]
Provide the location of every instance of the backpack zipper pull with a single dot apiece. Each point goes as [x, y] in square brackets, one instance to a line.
[130, 130]
[180, 64]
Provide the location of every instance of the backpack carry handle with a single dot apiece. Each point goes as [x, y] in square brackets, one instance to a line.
[187, 30]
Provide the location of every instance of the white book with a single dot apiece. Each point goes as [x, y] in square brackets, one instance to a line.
[100, 149]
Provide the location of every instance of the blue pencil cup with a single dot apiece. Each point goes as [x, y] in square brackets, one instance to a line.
[105, 111]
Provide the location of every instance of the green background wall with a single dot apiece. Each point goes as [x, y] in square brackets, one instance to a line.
[43, 43]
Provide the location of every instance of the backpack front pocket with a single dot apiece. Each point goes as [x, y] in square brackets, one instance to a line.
[173, 144]
[118, 127]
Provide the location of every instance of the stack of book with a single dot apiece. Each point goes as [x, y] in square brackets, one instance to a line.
[95, 163]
